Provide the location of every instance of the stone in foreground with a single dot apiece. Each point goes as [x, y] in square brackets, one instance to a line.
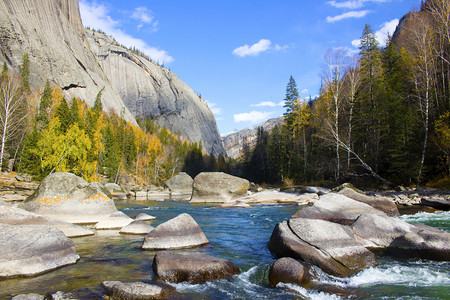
[138, 290]
[29, 250]
[177, 233]
[136, 227]
[287, 270]
[218, 187]
[330, 246]
[70, 198]
[115, 221]
[191, 267]
[28, 297]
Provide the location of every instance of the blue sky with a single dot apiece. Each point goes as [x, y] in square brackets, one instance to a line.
[239, 54]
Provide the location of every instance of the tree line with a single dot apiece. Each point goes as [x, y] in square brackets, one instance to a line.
[42, 133]
[382, 116]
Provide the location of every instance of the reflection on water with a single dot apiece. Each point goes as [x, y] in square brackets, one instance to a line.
[240, 235]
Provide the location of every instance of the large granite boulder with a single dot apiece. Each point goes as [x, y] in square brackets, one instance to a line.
[16, 216]
[180, 187]
[336, 208]
[191, 267]
[69, 197]
[28, 250]
[138, 290]
[218, 187]
[288, 270]
[330, 246]
[394, 236]
[441, 204]
[384, 204]
[179, 232]
[115, 221]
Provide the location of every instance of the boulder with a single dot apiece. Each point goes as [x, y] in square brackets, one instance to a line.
[287, 270]
[275, 197]
[136, 227]
[116, 191]
[28, 250]
[115, 221]
[336, 208]
[441, 204]
[384, 204]
[180, 187]
[69, 197]
[191, 267]
[138, 290]
[218, 187]
[28, 297]
[330, 246]
[16, 216]
[144, 217]
[179, 232]
[235, 204]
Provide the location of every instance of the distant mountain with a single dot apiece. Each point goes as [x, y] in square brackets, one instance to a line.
[234, 142]
[82, 62]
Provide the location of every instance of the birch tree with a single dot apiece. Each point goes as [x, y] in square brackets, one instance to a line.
[13, 110]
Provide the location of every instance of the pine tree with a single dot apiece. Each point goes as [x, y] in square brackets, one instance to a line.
[45, 103]
[63, 113]
[25, 71]
[98, 106]
[289, 103]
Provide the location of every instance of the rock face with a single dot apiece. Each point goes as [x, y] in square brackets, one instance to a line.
[16, 216]
[150, 90]
[83, 62]
[138, 290]
[179, 232]
[192, 267]
[29, 250]
[52, 34]
[287, 270]
[234, 142]
[69, 197]
[218, 187]
[180, 186]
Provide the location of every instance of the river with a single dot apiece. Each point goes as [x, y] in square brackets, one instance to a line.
[240, 235]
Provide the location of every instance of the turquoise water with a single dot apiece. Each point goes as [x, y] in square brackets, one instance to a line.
[240, 235]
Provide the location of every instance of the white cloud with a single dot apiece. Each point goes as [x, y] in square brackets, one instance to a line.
[353, 4]
[386, 28]
[265, 103]
[253, 116]
[215, 110]
[382, 34]
[96, 16]
[304, 91]
[280, 48]
[261, 46]
[281, 103]
[350, 14]
[144, 16]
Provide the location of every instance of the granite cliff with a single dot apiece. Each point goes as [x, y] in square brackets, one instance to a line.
[234, 142]
[82, 62]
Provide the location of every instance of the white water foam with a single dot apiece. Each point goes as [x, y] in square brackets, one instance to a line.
[426, 216]
[308, 293]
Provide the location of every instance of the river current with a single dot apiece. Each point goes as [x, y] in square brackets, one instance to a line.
[240, 235]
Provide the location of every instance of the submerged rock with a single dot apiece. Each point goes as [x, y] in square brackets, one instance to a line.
[29, 250]
[115, 221]
[179, 232]
[70, 198]
[136, 227]
[137, 290]
[288, 270]
[218, 187]
[191, 267]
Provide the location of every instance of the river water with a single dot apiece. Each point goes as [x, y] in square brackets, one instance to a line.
[240, 235]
